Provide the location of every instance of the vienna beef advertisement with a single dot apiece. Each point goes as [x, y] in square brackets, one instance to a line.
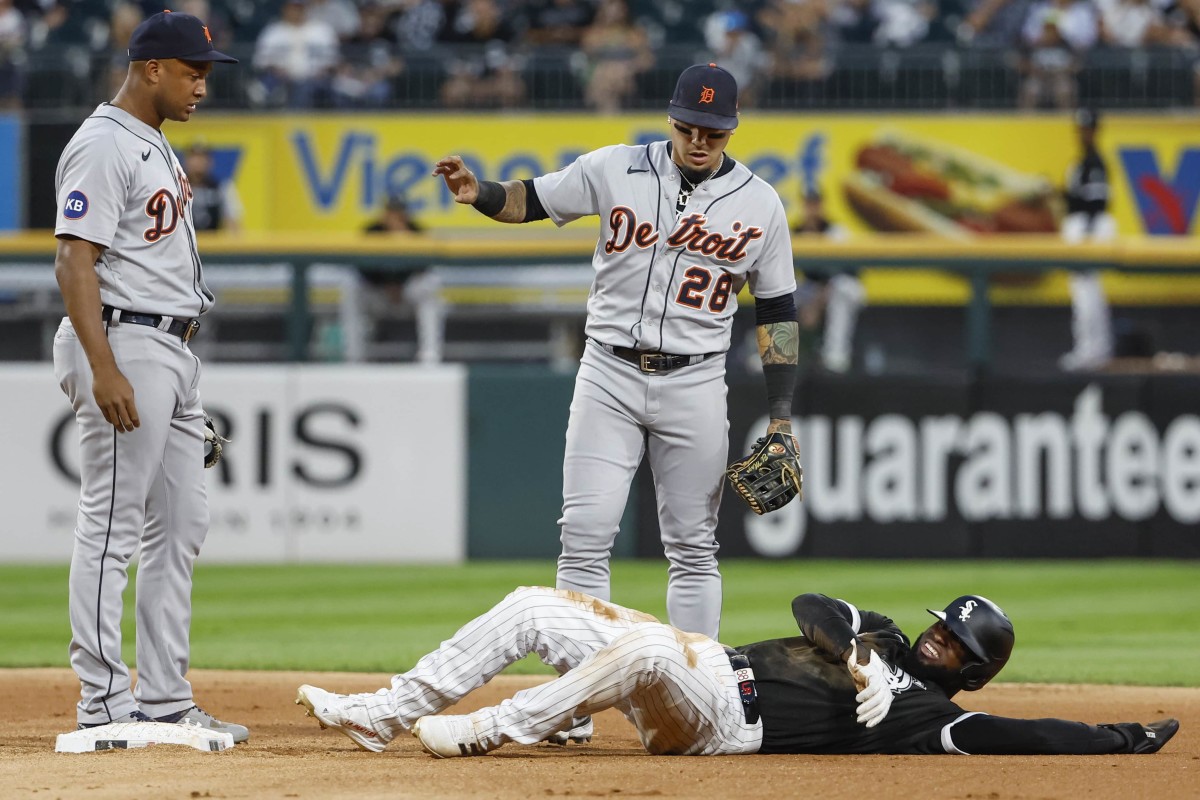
[960, 175]
[933, 468]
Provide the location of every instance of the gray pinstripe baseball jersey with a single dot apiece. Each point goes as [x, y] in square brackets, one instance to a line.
[120, 185]
[668, 279]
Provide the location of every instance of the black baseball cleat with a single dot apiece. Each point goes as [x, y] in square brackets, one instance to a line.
[580, 732]
[1157, 735]
[132, 716]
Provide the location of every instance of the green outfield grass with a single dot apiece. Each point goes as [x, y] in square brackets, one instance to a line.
[1128, 622]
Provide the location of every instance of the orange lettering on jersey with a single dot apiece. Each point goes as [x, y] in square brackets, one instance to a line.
[165, 209]
[692, 290]
[626, 231]
[186, 186]
[706, 94]
[692, 235]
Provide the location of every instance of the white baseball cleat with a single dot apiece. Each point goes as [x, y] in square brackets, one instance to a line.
[343, 712]
[448, 736]
[580, 732]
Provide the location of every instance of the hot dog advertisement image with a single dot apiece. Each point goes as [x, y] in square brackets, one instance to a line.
[905, 184]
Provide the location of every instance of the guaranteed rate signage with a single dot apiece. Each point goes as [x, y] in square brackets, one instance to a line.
[926, 468]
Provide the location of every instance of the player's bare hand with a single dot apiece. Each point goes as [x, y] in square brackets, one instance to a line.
[459, 180]
[114, 396]
[875, 693]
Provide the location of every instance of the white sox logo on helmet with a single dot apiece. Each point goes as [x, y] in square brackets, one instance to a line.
[965, 613]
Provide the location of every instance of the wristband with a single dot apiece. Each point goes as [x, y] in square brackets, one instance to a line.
[491, 200]
[781, 384]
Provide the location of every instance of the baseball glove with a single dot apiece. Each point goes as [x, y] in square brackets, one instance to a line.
[212, 443]
[770, 476]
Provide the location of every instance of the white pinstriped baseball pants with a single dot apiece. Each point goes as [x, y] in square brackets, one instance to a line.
[678, 689]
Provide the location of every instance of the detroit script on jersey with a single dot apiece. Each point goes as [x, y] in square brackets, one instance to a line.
[166, 208]
[120, 186]
[667, 279]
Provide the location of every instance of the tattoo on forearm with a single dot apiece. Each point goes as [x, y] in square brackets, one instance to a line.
[514, 202]
[779, 342]
[779, 426]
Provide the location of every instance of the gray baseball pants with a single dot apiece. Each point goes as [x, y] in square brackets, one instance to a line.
[618, 416]
[142, 487]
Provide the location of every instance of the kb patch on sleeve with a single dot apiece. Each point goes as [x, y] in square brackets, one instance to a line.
[76, 206]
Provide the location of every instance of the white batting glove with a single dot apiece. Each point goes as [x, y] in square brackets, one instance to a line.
[875, 695]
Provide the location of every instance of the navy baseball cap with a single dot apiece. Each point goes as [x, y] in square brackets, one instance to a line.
[705, 96]
[171, 35]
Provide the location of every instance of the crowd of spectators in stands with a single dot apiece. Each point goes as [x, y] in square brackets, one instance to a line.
[357, 53]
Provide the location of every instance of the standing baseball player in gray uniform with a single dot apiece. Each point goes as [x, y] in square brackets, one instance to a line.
[133, 287]
[683, 228]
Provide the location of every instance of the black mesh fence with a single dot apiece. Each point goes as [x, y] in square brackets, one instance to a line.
[926, 77]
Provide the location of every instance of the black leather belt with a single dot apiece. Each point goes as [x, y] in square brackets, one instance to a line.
[185, 329]
[745, 678]
[654, 363]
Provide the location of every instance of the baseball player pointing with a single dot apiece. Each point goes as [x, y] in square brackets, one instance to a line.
[683, 227]
[134, 290]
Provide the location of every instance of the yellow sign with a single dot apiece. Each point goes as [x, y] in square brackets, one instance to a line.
[951, 175]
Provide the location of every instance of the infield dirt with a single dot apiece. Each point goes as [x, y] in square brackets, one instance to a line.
[288, 756]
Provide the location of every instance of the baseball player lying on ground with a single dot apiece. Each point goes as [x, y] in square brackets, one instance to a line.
[852, 683]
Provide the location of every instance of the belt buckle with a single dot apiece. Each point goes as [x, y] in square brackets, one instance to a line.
[192, 327]
[645, 364]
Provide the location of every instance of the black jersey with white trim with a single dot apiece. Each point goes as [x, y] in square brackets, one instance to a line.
[806, 699]
[806, 695]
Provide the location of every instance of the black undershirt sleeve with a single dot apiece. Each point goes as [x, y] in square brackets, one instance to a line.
[781, 385]
[780, 378]
[984, 734]
[775, 309]
[823, 622]
[533, 204]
